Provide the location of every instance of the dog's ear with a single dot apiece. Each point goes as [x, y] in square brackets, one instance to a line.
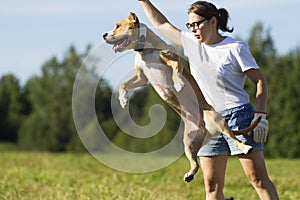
[133, 18]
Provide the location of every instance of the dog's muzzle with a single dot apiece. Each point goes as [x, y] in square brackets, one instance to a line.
[117, 44]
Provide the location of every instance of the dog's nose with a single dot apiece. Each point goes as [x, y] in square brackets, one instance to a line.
[105, 35]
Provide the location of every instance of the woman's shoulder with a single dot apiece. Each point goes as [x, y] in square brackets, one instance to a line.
[234, 42]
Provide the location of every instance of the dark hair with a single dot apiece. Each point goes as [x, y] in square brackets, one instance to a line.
[209, 10]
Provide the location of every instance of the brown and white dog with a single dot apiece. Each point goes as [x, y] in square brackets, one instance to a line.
[175, 85]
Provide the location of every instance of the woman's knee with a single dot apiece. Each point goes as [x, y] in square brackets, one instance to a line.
[214, 186]
[213, 169]
[257, 181]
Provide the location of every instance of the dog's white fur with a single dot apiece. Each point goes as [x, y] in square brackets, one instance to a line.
[153, 65]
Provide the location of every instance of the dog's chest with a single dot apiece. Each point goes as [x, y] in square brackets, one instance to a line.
[156, 72]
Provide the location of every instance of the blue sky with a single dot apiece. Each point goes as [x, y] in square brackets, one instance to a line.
[33, 31]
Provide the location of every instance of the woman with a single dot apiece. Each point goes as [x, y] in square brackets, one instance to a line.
[220, 66]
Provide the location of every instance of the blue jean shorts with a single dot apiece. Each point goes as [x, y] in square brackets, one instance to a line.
[237, 118]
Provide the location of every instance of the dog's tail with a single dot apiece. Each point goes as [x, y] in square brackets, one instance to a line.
[249, 128]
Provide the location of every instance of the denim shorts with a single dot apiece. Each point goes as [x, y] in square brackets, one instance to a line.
[237, 118]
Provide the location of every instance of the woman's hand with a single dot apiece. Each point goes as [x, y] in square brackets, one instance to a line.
[260, 132]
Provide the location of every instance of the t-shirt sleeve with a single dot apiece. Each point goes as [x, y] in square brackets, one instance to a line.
[245, 58]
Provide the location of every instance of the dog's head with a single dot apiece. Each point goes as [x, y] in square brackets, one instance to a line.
[125, 34]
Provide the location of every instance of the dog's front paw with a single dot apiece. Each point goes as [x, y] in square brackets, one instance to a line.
[178, 82]
[188, 177]
[123, 98]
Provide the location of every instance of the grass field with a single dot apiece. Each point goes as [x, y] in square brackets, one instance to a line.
[25, 175]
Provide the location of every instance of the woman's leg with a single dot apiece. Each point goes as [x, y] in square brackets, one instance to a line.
[213, 169]
[256, 172]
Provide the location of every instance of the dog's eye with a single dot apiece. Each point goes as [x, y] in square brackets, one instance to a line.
[117, 26]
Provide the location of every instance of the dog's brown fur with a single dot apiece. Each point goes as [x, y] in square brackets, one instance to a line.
[189, 103]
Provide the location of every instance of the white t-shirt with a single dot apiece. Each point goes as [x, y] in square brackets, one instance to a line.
[218, 70]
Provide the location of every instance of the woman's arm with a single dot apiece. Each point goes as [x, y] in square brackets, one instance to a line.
[260, 81]
[260, 132]
[160, 22]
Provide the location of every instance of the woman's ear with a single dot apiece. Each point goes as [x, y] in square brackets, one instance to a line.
[214, 21]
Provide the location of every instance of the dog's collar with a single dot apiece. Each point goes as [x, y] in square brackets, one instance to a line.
[141, 38]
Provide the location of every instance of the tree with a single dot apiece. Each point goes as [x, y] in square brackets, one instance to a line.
[283, 105]
[91, 110]
[282, 74]
[261, 44]
[11, 108]
[50, 124]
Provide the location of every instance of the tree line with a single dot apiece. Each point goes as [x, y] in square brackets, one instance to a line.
[38, 115]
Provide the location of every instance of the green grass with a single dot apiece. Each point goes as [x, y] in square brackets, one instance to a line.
[25, 175]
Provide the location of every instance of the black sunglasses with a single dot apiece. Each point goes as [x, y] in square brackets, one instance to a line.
[195, 25]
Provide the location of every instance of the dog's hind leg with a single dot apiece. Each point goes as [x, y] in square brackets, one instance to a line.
[216, 124]
[169, 97]
[193, 139]
[245, 148]
[228, 132]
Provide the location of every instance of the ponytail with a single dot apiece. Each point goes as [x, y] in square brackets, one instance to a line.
[223, 20]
